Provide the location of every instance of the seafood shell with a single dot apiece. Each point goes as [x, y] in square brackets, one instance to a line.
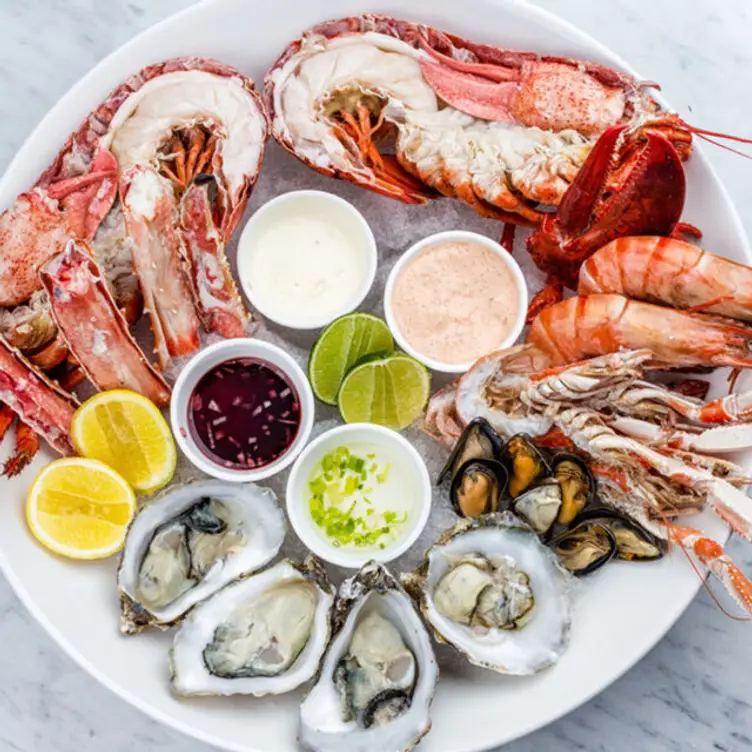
[263, 634]
[534, 638]
[208, 533]
[375, 624]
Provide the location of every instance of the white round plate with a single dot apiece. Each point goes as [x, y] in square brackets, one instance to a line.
[620, 612]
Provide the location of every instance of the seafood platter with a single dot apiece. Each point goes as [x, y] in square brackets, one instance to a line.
[372, 384]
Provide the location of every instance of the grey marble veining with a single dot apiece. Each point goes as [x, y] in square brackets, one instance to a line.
[692, 691]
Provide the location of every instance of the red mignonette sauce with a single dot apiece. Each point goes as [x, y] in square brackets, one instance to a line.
[244, 413]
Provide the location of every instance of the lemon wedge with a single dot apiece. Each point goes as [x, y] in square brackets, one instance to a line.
[80, 508]
[127, 431]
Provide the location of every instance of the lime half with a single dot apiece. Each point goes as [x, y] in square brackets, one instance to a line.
[341, 345]
[391, 391]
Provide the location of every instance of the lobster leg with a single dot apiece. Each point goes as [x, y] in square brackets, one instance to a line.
[27, 445]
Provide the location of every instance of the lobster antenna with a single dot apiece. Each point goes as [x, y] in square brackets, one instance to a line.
[707, 138]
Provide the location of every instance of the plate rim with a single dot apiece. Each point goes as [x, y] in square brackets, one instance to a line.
[549, 18]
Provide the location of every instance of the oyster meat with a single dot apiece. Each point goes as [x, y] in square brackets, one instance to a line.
[189, 543]
[263, 634]
[379, 673]
[493, 591]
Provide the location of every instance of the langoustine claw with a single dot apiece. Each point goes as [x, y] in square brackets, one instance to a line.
[95, 331]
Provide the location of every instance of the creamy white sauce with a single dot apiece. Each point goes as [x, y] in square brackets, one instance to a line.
[304, 267]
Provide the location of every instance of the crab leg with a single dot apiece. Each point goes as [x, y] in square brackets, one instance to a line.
[217, 299]
[148, 206]
[37, 401]
[94, 329]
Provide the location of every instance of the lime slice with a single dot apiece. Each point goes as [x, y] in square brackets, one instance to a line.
[391, 391]
[341, 345]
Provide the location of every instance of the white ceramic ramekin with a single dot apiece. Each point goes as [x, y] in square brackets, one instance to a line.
[454, 236]
[298, 494]
[343, 213]
[212, 356]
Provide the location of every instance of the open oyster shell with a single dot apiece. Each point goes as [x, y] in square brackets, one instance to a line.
[190, 542]
[262, 634]
[378, 677]
[508, 609]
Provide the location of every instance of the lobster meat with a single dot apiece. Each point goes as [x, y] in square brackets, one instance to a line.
[506, 131]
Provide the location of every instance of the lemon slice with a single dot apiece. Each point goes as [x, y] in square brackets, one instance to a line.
[127, 431]
[80, 508]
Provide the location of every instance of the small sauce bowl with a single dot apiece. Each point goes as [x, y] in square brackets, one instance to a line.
[298, 493]
[204, 363]
[348, 235]
[455, 236]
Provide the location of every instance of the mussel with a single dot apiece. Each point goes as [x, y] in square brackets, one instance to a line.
[585, 547]
[478, 487]
[525, 462]
[633, 542]
[539, 506]
[478, 442]
[576, 483]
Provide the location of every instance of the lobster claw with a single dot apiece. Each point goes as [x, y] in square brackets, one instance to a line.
[631, 184]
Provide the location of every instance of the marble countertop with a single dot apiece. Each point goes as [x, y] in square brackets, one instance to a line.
[692, 691]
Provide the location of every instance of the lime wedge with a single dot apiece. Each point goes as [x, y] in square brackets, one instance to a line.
[391, 391]
[340, 346]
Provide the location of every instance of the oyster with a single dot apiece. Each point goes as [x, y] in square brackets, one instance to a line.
[492, 590]
[379, 673]
[263, 634]
[189, 543]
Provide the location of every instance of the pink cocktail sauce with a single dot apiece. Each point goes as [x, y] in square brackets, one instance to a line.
[455, 301]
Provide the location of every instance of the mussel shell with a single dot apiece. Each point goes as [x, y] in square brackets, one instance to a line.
[542, 470]
[585, 547]
[465, 500]
[478, 442]
[560, 457]
[633, 541]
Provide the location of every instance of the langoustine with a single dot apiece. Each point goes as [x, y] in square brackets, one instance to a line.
[180, 139]
[654, 458]
[505, 131]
